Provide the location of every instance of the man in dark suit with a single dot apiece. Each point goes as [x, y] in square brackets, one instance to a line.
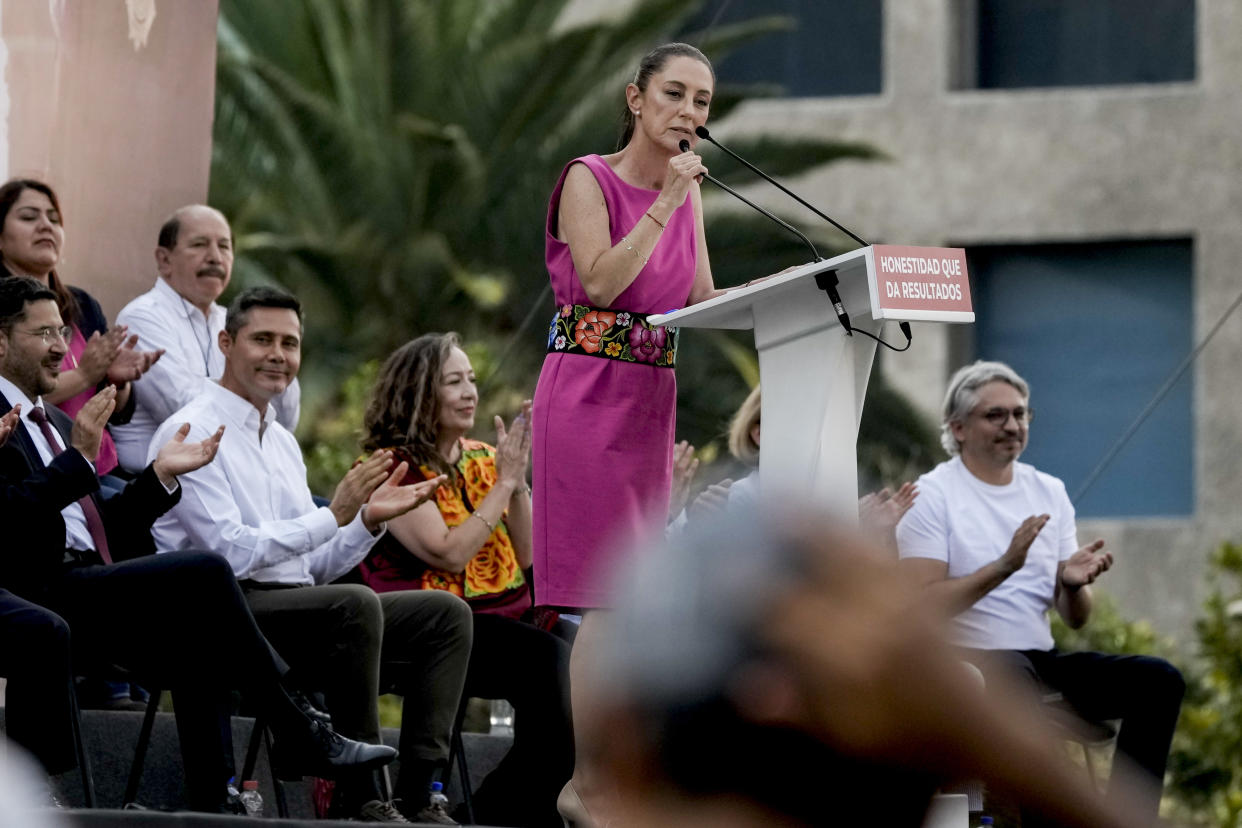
[179, 618]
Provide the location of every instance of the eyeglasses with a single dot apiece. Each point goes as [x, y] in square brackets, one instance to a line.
[999, 416]
[49, 334]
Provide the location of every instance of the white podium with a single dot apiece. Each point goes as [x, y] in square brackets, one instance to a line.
[814, 375]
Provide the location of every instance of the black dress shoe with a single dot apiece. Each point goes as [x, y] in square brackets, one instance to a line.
[321, 751]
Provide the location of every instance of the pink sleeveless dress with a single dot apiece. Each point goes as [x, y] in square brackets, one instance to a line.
[603, 429]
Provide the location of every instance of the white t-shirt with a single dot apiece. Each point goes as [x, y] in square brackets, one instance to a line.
[967, 523]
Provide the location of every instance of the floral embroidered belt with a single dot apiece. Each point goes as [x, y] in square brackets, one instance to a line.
[621, 335]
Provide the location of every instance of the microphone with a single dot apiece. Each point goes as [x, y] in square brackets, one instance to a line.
[827, 281]
[706, 136]
[684, 145]
[827, 285]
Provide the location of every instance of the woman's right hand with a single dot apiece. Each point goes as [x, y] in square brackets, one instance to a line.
[513, 447]
[681, 171]
[100, 351]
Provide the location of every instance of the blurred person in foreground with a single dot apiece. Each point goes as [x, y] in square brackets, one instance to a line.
[474, 540]
[993, 543]
[796, 680]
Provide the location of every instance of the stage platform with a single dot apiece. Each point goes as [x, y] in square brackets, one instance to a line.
[111, 736]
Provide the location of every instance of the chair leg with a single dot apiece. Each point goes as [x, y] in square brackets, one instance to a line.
[140, 751]
[260, 736]
[385, 784]
[252, 748]
[84, 759]
[282, 803]
[457, 752]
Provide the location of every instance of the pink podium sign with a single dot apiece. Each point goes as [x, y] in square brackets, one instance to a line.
[928, 283]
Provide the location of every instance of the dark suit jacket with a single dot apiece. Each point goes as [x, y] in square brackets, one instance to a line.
[34, 552]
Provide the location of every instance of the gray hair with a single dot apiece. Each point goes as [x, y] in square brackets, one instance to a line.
[963, 395]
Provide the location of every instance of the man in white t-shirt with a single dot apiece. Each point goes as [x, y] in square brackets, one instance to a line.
[994, 540]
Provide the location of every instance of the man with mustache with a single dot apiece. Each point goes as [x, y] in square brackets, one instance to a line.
[194, 257]
[994, 543]
[254, 507]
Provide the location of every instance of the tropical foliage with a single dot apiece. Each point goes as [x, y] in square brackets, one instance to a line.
[390, 161]
[1205, 767]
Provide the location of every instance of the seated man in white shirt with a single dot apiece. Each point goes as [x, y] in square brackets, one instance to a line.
[994, 542]
[194, 258]
[253, 506]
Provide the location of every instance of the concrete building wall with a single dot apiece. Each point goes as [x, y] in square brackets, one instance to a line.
[111, 102]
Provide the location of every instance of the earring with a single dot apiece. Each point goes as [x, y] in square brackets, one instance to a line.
[637, 114]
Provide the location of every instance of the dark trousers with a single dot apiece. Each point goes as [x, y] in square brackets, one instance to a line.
[180, 621]
[353, 644]
[529, 668]
[1144, 692]
[35, 657]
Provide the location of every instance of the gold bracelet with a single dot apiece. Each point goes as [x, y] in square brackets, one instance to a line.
[653, 218]
[629, 246]
[490, 526]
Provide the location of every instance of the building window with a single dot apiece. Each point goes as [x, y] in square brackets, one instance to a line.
[1097, 329]
[835, 48]
[1030, 43]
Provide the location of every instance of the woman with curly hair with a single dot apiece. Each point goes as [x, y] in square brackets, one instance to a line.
[474, 540]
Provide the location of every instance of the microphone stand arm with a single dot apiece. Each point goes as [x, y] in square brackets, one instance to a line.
[785, 189]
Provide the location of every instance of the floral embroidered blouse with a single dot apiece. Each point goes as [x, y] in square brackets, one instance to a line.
[492, 581]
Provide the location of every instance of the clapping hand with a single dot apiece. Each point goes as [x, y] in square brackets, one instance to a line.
[178, 457]
[100, 352]
[880, 512]
[1084, 566]
[390, 499]
[711, 502]
[130, 364]
[685, 464]
[89, 424]
[513, 447]
[358, 484]
[1015, 556]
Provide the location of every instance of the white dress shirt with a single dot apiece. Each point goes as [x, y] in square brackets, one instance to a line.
[162, 318]
[251, 503]
[77, 536]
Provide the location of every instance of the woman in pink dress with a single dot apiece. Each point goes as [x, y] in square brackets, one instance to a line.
[624, 239]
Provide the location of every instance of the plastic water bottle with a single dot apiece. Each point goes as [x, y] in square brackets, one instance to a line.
[985, 822]
[438, 798]
[251, 799]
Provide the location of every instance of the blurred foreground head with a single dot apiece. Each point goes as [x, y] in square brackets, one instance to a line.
[740, 667]
[762, 673]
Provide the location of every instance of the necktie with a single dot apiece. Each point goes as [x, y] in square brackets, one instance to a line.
[94, 521]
